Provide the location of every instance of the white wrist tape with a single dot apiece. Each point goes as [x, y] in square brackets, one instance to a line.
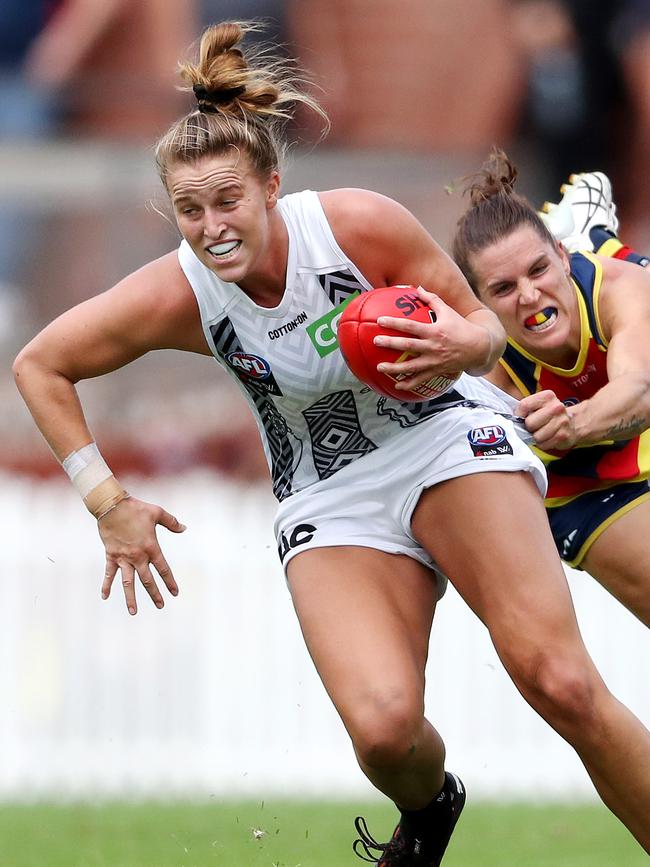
[91, 476]
[86, 468]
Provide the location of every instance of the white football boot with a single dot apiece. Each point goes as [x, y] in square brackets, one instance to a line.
[586, 203]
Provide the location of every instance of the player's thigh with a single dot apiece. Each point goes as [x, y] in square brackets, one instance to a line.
[490, 535]
[620, 557]
[366, 617]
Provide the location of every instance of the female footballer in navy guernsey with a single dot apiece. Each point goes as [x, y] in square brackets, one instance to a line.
[578, 358]
[258, 282]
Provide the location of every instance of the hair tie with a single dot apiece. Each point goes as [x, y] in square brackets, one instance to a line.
[209, 99]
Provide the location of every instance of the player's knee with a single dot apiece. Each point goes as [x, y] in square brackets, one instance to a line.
[385, 729]
[562, 689]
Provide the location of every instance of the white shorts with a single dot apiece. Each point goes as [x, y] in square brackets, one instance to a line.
[371, 501]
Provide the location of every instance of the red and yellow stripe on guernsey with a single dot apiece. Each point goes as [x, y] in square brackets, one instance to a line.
[631, 463]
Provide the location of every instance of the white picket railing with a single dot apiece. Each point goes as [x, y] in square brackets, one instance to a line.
[216, 694]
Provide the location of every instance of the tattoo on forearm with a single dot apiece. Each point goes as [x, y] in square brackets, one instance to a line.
[626, 427]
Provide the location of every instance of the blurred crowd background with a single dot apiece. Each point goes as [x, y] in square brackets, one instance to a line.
[417, 93]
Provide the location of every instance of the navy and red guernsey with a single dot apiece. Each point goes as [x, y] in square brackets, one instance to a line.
[583, 468]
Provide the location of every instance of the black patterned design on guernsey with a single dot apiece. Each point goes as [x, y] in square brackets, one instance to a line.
[339, 285]
[335, 432]
[251, 370]
[408, 414]
[278, 434]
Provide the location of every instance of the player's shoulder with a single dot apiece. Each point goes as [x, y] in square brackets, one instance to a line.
[610, 265]
[619, 275]
[624, 297]
[604, 273]
[358, 217]
[352, 206]
[158, 281]
[159, 296]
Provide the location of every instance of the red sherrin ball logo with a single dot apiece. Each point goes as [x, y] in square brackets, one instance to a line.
[358, 327]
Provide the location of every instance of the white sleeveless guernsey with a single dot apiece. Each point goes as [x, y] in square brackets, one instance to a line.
[313, 414]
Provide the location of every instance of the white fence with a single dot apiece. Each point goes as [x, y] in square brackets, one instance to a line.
[216, 693]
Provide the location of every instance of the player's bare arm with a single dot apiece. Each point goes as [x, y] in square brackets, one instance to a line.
[498, 376]
[466, 336]
[621, 409]
[154, 308]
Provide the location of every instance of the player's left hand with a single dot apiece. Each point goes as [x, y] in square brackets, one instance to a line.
[548, 420]
[446, 346]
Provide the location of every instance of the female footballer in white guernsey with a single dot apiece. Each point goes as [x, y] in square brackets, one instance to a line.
[378, 499]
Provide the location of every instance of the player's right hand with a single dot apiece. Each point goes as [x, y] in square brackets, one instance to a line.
[549, 421]
[129, 535]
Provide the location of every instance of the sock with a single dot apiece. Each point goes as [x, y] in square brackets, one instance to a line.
[600, 236]
[628, 254]
[418, 822]
[606, 244]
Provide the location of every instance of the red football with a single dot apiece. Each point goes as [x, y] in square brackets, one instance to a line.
[358, 327]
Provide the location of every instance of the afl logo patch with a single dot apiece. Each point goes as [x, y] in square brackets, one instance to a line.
[250, 365]
[253, 371]
[489, 441]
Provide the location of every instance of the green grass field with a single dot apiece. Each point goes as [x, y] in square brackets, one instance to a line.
[288, 834]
